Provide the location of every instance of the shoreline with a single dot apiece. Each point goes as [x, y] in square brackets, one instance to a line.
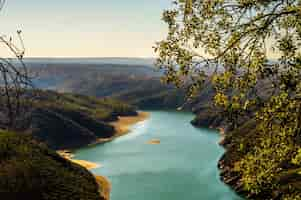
[122, 127]
[105, 186]
[86, 164]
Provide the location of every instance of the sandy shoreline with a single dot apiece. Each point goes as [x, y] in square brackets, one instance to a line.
[122, 127]
[69, 156]
[124, 124]
[104, 186]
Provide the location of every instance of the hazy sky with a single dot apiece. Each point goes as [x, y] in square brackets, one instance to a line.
[86, 28]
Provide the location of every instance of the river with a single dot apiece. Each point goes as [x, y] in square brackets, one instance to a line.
[182, 167]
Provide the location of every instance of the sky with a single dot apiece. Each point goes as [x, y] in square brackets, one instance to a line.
[85, 28]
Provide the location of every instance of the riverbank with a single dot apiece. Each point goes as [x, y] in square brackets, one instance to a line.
[139, 170]
[122, 127]
[86, 164]
[104, 186]
[103, 183]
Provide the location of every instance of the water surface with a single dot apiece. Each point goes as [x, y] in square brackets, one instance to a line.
[182, 167]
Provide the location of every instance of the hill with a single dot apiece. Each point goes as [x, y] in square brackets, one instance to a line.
[29, 170]
[138, 85]
[67, 121]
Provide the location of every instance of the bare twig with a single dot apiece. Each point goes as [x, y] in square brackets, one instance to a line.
[14, 81]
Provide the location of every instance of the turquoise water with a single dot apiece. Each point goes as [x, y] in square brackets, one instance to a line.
[182, 167]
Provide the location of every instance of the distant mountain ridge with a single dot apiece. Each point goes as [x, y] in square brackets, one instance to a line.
[135, 84]
[104, 60]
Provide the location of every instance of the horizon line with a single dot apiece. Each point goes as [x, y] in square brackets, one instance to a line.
[86, 57]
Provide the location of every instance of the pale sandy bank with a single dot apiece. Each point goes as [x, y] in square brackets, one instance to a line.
[104, 186]
[123, 124]
[69, 156]
[86, 164]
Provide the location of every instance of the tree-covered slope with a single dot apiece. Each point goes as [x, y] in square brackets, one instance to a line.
[71, 121]
[237, 163]
[29, 170]
[138, 85]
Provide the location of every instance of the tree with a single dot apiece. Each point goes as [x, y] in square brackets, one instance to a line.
[14, 80]
[243, 47]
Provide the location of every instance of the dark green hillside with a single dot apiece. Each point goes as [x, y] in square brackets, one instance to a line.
[31, 171]
[71, 121]
[105, 109]
[151, 94]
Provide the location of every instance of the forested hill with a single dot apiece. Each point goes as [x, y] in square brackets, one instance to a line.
[66, 121]
[30, 171]
[135, 84]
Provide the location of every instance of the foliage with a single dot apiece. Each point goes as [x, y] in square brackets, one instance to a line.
[297, 159]
[31, 171]
[240, 46]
